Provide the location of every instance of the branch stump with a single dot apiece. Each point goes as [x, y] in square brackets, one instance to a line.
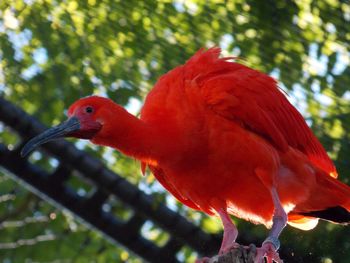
[241, 254]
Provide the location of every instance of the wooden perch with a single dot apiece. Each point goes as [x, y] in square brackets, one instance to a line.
[241, 254]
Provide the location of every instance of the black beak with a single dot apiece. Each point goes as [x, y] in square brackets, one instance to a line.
[64, 129]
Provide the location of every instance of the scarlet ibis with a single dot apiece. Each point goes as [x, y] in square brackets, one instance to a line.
[223, 139]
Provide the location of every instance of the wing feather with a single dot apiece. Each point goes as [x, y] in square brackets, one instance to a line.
[254, 100]
[160, 176]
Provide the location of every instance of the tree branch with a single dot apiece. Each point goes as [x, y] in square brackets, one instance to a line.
[241, 254]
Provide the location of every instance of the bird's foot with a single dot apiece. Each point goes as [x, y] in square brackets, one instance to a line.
[225, 249]
[268, 251]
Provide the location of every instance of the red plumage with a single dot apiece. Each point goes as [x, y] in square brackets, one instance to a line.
[222, 138]
[240, 119]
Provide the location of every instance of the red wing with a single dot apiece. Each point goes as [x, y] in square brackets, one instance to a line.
[254, 100]
[159, 175]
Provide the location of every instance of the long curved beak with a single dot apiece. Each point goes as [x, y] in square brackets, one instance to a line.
[64, 129]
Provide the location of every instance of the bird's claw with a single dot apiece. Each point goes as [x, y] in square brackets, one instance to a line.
[268, 251]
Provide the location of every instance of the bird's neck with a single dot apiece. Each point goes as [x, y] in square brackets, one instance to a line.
[130, 135]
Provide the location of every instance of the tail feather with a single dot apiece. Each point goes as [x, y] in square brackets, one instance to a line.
[338, 190]
[336, 214]
[329, 200]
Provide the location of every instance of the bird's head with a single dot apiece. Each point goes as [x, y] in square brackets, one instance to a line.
[86, 118]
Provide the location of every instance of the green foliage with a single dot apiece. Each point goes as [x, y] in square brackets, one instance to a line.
[53, 52]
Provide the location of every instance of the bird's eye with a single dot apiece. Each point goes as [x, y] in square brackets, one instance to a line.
[89, 109]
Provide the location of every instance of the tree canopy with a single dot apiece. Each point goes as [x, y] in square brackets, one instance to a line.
[53, 52]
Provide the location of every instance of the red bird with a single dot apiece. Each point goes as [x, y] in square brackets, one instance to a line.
[223, 139]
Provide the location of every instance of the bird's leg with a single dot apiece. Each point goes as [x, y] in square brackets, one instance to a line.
[230, 235]
[271, 244]
[230, 232]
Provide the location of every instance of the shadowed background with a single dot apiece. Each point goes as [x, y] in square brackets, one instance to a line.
[53, 52]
